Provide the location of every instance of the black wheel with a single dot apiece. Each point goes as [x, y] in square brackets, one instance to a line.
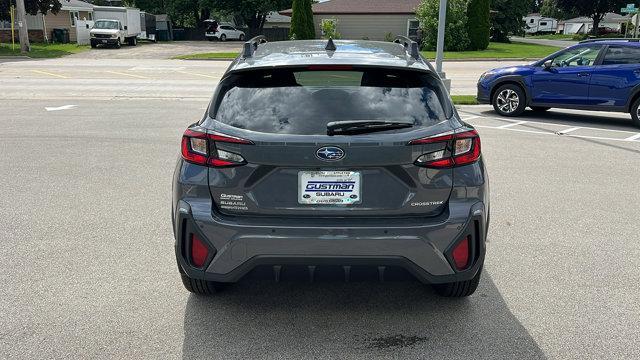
[118, 44]
[509, 100]
[635, 112]
[133, 41]
[93, 45]
[539, 108]
[223, 37]
[460, 288]
[241, 38]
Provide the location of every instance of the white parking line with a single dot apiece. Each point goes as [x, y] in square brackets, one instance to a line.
[633, 138]
[512, 124]
[470, 118]
[563, 132]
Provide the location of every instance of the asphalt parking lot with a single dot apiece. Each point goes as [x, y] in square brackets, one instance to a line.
[89, 271]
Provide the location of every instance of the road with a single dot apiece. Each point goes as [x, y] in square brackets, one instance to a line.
[89, 272]
[70, 78]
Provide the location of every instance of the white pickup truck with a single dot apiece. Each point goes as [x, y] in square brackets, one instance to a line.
[115, 26]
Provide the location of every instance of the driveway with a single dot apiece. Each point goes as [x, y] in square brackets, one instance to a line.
[558, 43]
[161, 50]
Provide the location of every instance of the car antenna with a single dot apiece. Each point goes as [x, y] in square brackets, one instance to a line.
[330, 45]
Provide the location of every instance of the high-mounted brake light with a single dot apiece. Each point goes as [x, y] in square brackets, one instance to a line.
[199, 148]
[461, 149]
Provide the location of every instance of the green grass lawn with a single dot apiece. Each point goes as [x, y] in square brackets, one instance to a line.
[464, 99]
[43, 50]
[495, 50]
[208, 56]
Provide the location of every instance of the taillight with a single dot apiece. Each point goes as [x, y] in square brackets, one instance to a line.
[461, 149]
[199, 148]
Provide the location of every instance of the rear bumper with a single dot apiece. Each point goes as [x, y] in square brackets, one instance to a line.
[423, 249]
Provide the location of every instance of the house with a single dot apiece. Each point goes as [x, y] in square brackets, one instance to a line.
[584, 25]
[367, 19]
[275, 20]
[538, 24]
[41, 27]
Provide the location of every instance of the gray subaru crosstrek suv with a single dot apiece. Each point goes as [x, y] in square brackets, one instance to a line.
[331, 156]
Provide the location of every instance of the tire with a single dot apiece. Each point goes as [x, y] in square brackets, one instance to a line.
[460, 288]
[197, 286]
[200, 287]
[93, 45]
[509, 100]
[118, 44]
[635, 112]
[223, 37]
[539, 108]
[241, 38]
[133, 41]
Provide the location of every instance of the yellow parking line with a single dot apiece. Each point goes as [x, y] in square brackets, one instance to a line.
[126, 74]
[196, 74]
[50, 74]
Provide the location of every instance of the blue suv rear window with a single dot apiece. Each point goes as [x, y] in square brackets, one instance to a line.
[303, 101]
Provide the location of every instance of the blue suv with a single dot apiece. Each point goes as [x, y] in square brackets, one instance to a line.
[600, 74]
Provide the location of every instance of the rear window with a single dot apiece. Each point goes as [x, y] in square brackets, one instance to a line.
[303, 101]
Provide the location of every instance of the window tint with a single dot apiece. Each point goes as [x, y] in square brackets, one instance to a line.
[292, 101]
[543, 23]
[580, 56]
[620, 55]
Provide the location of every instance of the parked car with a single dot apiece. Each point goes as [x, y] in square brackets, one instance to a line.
[224, 32]
[342, 155]
[603, 30]
[599, 74]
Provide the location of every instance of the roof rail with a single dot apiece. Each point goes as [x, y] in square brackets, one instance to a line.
[252, 45]
[608, 39]
[409, 45]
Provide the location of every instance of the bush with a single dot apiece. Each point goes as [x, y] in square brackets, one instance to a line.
[579, 37]
[456, 34]
[329, 29]
[479, 26]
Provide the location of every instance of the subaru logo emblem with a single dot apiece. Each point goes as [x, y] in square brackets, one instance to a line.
[330, 153]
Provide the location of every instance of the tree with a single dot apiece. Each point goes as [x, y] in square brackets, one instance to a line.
[507, 17]
[479, 24]
[31, 7]
[302, 26]
[456, 36]
[595, 9]
[550, 9]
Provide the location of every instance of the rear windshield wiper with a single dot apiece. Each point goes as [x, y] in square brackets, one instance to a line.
[364, 126]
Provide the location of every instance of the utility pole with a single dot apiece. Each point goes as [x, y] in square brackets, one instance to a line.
[23, 32]
[442, 20]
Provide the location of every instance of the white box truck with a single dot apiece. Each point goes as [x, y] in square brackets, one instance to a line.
[115, 25]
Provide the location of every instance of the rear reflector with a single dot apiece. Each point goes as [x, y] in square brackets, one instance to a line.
[460, 254]
[199, 251]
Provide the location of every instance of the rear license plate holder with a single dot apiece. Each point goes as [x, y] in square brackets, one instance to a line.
[329, 187]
